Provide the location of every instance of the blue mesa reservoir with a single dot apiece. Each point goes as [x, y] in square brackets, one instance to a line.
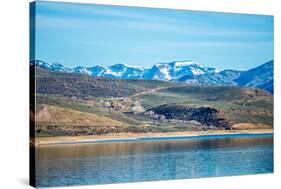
[115, 162]
[127, 94]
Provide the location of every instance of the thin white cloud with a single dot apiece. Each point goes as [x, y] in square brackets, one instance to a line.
[89, 24]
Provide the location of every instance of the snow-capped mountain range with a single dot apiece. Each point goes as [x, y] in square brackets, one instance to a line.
[161, 71]
[178, 71]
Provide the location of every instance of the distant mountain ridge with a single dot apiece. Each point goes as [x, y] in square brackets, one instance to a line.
[160, 71]
[261, 77]
[177, 71]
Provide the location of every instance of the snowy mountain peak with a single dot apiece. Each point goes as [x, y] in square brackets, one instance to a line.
[51, 66]
[186, 63]
[118, 66]
[81, 69]
[123, 65]
[179, 63]
[177, 69]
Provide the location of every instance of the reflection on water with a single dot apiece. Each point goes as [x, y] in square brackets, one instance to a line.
[97, 163]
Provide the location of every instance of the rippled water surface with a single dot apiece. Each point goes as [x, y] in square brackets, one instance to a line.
[144, 160]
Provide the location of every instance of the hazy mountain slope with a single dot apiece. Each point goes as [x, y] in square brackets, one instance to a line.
[257, 76]
[268, 86]
[223, 78]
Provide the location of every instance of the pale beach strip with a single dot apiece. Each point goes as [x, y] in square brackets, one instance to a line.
[131, 137]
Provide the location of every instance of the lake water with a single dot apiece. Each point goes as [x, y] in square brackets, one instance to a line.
[146, 160]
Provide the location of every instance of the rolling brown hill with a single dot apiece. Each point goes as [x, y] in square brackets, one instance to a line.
[83, 86]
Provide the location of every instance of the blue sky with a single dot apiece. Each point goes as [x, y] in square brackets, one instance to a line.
[88, 34]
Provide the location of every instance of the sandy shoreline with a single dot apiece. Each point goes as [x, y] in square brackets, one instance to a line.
[135, 136]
